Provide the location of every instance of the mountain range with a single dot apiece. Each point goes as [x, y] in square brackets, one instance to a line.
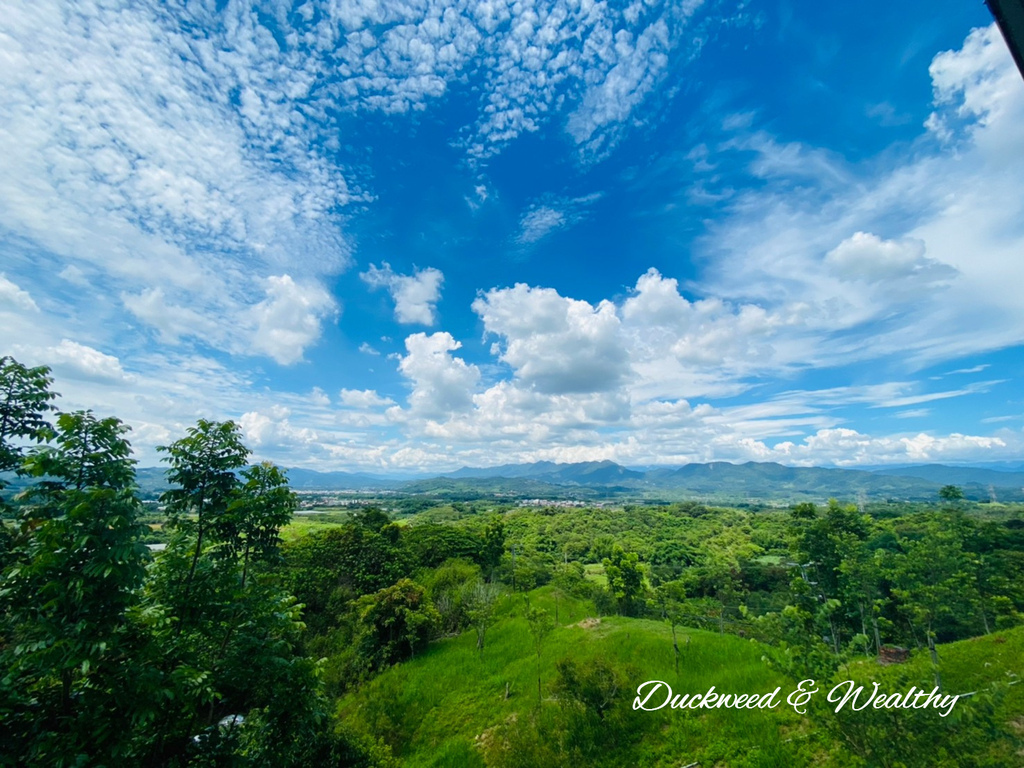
[718, 481]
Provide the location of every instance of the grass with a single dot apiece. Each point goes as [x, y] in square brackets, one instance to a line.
[595, 572]
[307, 523]
[431, 709]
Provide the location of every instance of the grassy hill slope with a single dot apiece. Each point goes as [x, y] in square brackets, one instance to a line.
[433, 709]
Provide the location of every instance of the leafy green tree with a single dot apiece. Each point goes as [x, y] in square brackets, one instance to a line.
[76, 571]
[430, 544]
[480, 601]
[203, 473]
[596, 686]
[24, 402]
[248, 530]
[372, 518]
[932, 581]
[493, 546]
[951, 493]
[395, 623]
[448, 587]
[625, 580]
[229, 635]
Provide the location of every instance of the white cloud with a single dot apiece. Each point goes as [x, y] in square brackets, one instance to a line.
[415, 295]
[74, 275]
[972, 369]
[595, 61]
[367, 349]
[913, 413]
[551, 214]
[76, 359]
[289, 319]
[441, 383]
[15, 297]
[555, 345]
[272, 429]
[539, 222]
[868, 258]
[930, 238]
[363, 398]
[171, 321]
[847, 447]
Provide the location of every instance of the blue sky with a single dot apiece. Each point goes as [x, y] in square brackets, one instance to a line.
[409, 236]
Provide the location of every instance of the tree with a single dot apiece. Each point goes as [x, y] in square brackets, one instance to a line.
[203, 466]
[480, 600]
[932, 580]
[24, 402]
[249, 528]
[493, 546]
[625, 579]
[395, 623]
[540, 627]
[671, 596]
[596, 686]
[951, 493]
[372, 518]
[76, 572]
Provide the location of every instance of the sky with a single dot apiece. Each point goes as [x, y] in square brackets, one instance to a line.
[404, 236]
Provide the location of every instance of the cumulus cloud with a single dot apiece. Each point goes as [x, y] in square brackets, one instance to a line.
[868, 258]
[415, 295]
[367, 349]
[848, 447]
[289, 319]
[442, 384]
[554, 344]
[74, 359]
[14, 297]
[271, 429]
[363, 398]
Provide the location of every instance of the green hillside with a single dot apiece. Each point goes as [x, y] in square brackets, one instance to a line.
[447, 706]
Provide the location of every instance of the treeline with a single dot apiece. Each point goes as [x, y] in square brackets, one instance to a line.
[832, 577]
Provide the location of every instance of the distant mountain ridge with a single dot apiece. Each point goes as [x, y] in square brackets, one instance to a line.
[581, 473]
[719, 480]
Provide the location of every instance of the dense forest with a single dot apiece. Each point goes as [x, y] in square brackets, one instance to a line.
[452, 633]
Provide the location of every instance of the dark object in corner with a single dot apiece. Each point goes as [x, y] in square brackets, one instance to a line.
[892, 654]
[1009, 16]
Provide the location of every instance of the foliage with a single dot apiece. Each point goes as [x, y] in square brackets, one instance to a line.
[395, 623]
[74, 573]
[951, 493]
[24, 402]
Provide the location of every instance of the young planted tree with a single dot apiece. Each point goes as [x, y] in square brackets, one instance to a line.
[540, 627]
[480, 600]
[671, 597]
